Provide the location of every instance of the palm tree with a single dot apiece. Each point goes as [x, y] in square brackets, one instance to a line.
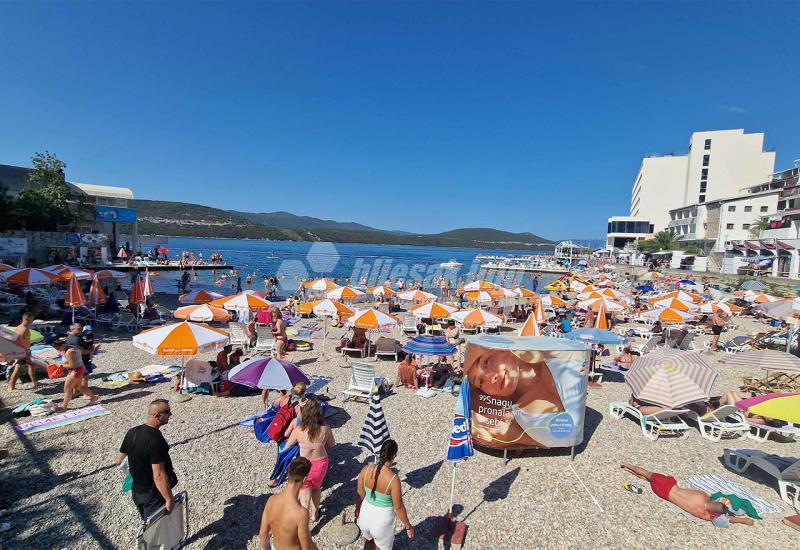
[666, 240]
[759, 225]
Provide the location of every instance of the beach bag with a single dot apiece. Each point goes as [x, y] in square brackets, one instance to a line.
[55, 371]
[283, 418]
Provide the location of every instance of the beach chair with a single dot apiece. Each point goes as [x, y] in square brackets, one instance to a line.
[666, 422]
[387, 347]
[786, 470]
[762, 432]
[612, 368]
[688, 342]
[166, 530]
[238, 335]
[362, 381]
[737, 344]
[265, 341]
[725, 421]
[362, 352]
[409, 325]
[648, 346]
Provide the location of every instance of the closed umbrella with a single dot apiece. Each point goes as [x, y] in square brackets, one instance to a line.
[600, 321]
[671, 378]
[375, 430]
[538, 312]
[460, 446]
[203, 313]
[530, 327]
[96, 295]
[781, 406]
[199, 297]
[267, 373]
[137, 296]
[147, 284]
[122, 254]
[74, 296]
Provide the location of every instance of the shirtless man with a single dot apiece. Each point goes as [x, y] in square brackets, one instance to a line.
[697, 503]
[283, 516]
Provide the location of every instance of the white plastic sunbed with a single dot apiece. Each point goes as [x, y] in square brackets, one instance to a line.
[761, 432]
[725, 421]
[784, 469]
[362, 381]
[666, 422]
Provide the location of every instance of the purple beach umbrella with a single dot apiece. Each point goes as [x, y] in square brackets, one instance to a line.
[267, 373]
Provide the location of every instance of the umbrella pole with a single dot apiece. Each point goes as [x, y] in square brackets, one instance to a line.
[324, 332]
[452, 491]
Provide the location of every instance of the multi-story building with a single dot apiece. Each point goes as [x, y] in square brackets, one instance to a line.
[718, 165]
[626, 229]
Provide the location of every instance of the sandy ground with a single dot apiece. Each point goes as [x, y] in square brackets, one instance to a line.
[63, 492]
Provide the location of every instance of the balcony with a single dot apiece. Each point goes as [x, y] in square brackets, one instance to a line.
[782, 233]
[788, 192]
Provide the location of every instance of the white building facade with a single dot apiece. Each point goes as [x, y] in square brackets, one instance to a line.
[626, 229]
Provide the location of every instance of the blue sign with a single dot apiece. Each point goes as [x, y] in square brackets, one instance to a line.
[114, 214]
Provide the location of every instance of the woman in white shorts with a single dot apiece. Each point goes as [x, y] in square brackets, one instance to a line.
[380, 497]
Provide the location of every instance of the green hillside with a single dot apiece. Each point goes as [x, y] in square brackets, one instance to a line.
[193, 220]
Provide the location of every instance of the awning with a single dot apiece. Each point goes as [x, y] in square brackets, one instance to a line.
[756, 259]
[785, 246]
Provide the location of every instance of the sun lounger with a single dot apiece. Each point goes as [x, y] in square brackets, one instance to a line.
[238, 335]
[725, 421]
[786, 470]
[651, 344]
[410, 325]
[762, 432]
[265, 341]
[362, 351]
[166, 530]
[654, 425]
[362, 381]
[611, 367]
[387, 347]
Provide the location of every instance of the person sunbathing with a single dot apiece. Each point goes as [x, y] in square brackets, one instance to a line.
[624, 360]
[697, 503]
[407, 373]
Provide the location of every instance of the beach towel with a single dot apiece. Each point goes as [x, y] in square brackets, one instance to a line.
[737, 505]
[285, 457]
[153, 369]
[714, 483]
[261, 424]
[63, 419]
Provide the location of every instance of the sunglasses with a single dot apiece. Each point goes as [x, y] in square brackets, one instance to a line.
[169, 412]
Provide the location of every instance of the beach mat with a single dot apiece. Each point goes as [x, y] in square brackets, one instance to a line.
[62, 419]
[713, 483]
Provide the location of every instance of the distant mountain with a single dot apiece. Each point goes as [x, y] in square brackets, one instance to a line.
[193, 220]
[292, 221]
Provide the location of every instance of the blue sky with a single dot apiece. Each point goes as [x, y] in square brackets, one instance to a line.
[415, 116]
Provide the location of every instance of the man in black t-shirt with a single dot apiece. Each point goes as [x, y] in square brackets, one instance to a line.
[149, 462]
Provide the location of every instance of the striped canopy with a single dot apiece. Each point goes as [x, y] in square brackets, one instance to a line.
[671, 378]
[65, 272]
[778, 361]
[180, 339]
[530, 327]
[667, 315]
[675, 303]
[429, 345]
[482, 296]
[96, 295]
[248, 299]
[759, 297]
[199, 297]
[28, 276]
[74, 296]
[381, 291]
[523, 292]
[477, 318]
[372, 319]
[433, 310]
[345, 293]
[321, 285]
[203, 313]
[267, 373]
[415, 296]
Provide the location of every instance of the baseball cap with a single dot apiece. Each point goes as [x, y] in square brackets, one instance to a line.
[87, 328]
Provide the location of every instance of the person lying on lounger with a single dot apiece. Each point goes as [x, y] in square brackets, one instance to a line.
[692, 501]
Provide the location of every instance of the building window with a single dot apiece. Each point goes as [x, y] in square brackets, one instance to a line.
[731, 208]
[703, 186]
[704, 174]
[748, 208]
[781, 205]
[745, 226]
[707, 145]
[706, 159]
[729, 226]
[701, 198]
[764, 209]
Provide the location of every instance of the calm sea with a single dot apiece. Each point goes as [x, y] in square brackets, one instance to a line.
[295, 261]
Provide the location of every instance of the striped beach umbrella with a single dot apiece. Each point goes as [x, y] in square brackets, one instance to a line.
[345, 293]
[429, 345]
[667, 315]
[530, 327]
[481, 296]
[180, 339]
[782, 406]
[326, 308]
[6, 267]
[372, 319]
[203, 313]
[65, 272]
[375, 430]
[267, 373]
[480, 285]
[74, 296]
[321, 285]
[433, 310]
[28, 276]
[675, 303]
[752, 284]
[671, 378]
[548, 300]
[121, 254]
[778, 361]
[10, 349]
[477, 318]
[247, 299]
[523, 292]
[199, 297]
[759, 297]
[381, 291]
[415, 296]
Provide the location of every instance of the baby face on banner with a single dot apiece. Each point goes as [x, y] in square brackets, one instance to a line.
[503, 382]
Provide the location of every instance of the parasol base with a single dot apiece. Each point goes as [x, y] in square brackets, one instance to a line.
[343, 533]
[449, 531]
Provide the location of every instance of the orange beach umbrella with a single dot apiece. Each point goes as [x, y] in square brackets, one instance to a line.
[96, 295]
[433, 310]
[530, 327]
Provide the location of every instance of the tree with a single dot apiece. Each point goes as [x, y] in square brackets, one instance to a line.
[48, 201]
[758, 226]
[663, 240]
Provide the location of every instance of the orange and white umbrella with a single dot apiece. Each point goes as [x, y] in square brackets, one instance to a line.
[759, 297]
[652, 275]
[28, 276]
[147, 285]
[137, 292]
[600, 321]
[680, 295]
[433, 310]
[181, 339]
[321, 285]
[549, 300]
[711, 307]
[523, 292]
[530, 327]
[481, 296]
[415, 296]
[477, 318]
[326, 308]
[480, 285]
[200, 297]
[602, 293]
[595, 303]
[6, 267]
[65, 272]
[122, 254]
[74, 296]
[109, 274]
[381, 291]
[675, 303]
[203, 313]
[667, 315]
[503, 292]
[345, 293]
[372, 319]
[248, 299]
[580, 286]
[96, 295]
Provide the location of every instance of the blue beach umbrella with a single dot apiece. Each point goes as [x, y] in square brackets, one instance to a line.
[687, 282]
[460, 446]
[429, 345]
[595, 336]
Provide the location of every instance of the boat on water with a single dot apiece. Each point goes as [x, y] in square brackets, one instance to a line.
[452, 264]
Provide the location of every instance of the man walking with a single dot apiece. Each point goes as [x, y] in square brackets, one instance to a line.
[283, 516]
[149, 461]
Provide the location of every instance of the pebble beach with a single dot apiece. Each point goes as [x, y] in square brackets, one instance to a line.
[62, 490]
